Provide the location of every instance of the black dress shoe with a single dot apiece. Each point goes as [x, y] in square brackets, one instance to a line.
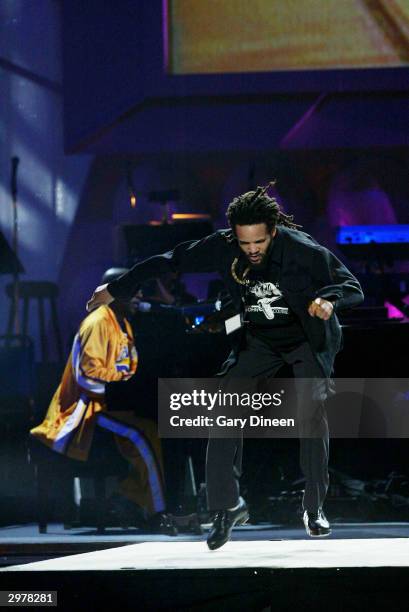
[223, 523]
[316, 524]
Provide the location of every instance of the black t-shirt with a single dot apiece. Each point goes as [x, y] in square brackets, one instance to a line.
[268, 313]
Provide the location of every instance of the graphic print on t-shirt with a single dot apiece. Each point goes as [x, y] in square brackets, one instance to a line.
[261, 299]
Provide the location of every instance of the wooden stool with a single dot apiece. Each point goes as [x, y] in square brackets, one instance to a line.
[40, 291]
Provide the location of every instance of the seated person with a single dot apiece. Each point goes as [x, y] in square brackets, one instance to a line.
[103, 351]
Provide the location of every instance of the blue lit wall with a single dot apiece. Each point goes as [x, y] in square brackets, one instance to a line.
[49, 183]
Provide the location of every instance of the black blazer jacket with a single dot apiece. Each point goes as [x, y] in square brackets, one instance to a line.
[308, 270]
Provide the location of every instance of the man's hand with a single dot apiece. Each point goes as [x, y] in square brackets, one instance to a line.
[321, 308]
[128, 376]
[100, 296]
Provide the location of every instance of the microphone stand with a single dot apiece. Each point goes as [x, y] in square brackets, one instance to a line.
[13, 189]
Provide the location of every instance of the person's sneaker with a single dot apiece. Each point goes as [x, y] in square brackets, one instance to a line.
[223, 523]
[162, 523]
[316, 524]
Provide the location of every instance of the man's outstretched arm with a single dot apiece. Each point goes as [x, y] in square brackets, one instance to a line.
[192, 256]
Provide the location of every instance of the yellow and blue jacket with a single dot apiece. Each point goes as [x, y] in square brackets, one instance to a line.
[101, 353]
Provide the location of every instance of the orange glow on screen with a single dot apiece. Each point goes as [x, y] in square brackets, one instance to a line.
[189, 216]
[219, 36]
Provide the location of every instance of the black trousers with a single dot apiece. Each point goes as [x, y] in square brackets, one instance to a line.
[224, 455]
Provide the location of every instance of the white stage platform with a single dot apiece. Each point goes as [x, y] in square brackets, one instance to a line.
[323, 553]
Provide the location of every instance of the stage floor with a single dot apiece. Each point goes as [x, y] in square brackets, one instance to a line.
[262, 568]
[243, 554]
[349, 545]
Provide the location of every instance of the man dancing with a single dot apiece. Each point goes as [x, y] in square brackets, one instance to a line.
[288, 289]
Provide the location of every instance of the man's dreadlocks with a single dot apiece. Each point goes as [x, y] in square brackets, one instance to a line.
[257, 207]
